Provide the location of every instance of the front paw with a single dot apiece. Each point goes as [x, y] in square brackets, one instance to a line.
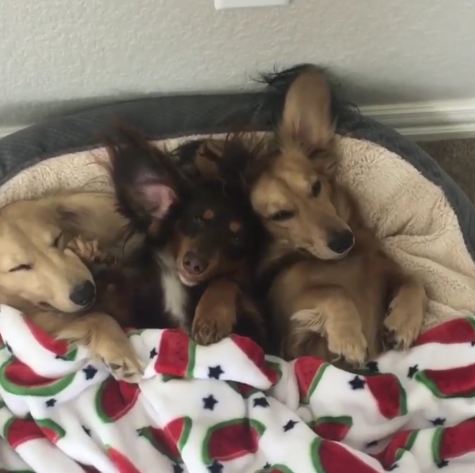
[403, 324]
[111, 347]
[122, 361]
[349, 343]
[211, 329]
[89, 251]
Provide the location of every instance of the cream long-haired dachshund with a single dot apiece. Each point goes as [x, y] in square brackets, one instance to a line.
[45, 270]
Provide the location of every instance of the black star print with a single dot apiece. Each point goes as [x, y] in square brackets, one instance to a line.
[357, 383]
[215, 467]
[50, 402]
[261, 402]
[209, 402]
[177, 468]
[412, 371]
[88, 431]
[215, 371]
[372, 366]
[372, 444]
[153, 353]
[59, 357]
[290, 425]
[393, 467]
[472, 343]
[438, 421]
[267, 466]
[89, 371]
[442, 464]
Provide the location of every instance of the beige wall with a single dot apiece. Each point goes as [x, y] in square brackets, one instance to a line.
[58, 54]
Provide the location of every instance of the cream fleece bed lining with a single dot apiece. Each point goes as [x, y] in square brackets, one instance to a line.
[411, 215]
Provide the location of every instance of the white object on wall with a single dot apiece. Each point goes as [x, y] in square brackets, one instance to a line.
[224, 4]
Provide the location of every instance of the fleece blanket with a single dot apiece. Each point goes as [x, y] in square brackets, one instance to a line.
[421, 231]
[227, 408]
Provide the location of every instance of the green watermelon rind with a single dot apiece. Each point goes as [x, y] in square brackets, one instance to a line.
[185, 434]
[256, 425]
[281, 468]
[145, 432]
[191, 359]
[422, 377]
[98, 403]
[45, 390]
[315, 455]
[471, 321]
[313, 386]
[436, 444]
[6, 428]
[345, 420]
[409, 444]
[403, 404]
[51, 425]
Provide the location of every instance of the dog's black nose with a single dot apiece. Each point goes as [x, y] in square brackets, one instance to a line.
[193, 263]
[341, 242]
[83, 294]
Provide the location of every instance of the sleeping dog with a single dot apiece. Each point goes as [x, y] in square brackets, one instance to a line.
[200, 236]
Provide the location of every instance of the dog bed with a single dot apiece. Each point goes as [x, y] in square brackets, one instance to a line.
[227, 408]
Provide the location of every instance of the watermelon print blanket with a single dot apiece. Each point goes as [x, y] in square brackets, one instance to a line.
[228, 409]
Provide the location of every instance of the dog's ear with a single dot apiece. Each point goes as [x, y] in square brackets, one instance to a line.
[147, 181]
[307, 116]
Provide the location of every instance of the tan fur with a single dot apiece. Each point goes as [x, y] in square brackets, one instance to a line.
[326, 302]
[28, 230]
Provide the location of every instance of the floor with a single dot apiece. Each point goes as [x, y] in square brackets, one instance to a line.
[457, 158]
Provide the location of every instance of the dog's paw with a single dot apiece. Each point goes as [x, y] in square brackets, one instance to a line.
[403, 324]
[89, 251]
[349, 343]
[110, 346]
[122, 361]
[208, 330]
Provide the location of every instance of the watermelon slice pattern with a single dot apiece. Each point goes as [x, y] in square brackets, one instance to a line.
[181, 434]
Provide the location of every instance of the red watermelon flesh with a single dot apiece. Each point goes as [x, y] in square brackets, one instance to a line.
[458, 440]
[58, 347]
[400, 442]
[115, 398]
[389, 395]
[19, 431]
[175, 355]
[232, 439]
[171, 439]
[452, 331]
[332, 457]
[52, 431]
[123, 464]
[451, 382]
[256, 354]
[18, 378]
[332, 428]
[309, 371]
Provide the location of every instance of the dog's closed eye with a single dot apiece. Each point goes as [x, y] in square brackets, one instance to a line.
[21, 267]
[282, 215]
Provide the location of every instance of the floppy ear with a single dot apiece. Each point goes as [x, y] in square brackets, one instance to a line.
[146, 181]
[307, 118]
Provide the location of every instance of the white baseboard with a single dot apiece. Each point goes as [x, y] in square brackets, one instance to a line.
[424, 121]
[421, 121]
